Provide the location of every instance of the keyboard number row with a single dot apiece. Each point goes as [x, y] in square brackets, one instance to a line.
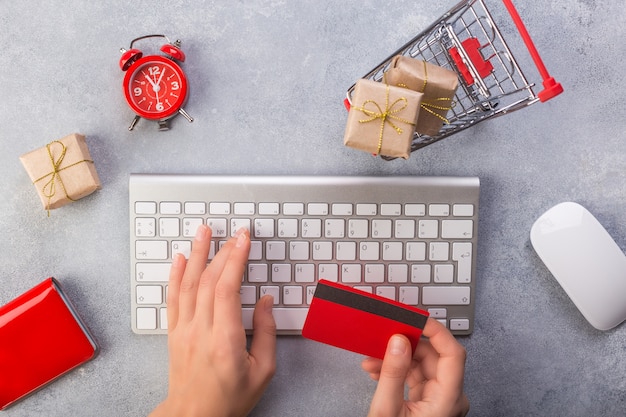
[308, 228]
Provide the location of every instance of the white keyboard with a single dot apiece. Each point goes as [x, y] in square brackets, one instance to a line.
[412, 239]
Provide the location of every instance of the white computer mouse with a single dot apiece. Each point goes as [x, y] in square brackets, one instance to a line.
[585, 260]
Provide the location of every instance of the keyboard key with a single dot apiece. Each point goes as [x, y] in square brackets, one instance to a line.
[190, 226]
[248, 294]
[334, 228]
[145, 207]
[298, 251]
[287, 228]
[390, 209]
[416, 251]
[462, 253]
[351, 273]
[304, 273]
[269, 209]
[170, 207]
[441, 210]
[281, 273]
[358, 228]
[409, 295]
[151, 249]
[381, 229]
[341, 209]
[322, 251]
[463, 210]
[375, 273]
[366, 209]
[329, 272]
[169, 227]
[369, 251]
[311, 228]
[149, 294]
[387, 292]
[275, 250]
[293, 209]
[457, 229]
[415, 209]
[218, 226]
[146, 318]
[286, 318]
[264, 228]
[439, 251]
[216, 208]
[145, 227]
[397, 273]
[236, 224]
[292, 295]
[405, 229]
[445, 295]
[152, 272]
[194, 207]
[428, 229]
[272, 290]
[257, 272]
[317, 209]
[244, 209]
[459, 324]
[346, 251]
[392, 251]
[444, 274]
[181, 246]
[420, 273]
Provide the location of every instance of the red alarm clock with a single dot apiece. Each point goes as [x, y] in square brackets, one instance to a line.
[155, 86]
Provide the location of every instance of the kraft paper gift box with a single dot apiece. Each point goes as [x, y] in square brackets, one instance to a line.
[382, 119]
[62, 171]
[437, 83]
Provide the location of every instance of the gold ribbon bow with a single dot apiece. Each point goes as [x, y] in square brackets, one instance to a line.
[427, 105]
[385, 116]
[49, 189]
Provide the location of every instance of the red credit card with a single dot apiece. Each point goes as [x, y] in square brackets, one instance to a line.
[358, 321]
[41, 338]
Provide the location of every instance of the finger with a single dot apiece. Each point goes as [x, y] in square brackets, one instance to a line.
[371, 365]
[173, 289]
[263, 346]
[388, 399]
[195, 266]
[227, 303]
[452, 355]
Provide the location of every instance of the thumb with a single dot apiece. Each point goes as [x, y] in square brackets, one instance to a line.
[389, 396]
[263, 346]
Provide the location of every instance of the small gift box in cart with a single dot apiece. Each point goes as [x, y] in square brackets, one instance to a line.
[467, 41]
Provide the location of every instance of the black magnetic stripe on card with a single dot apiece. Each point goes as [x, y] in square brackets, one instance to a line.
[370, 305]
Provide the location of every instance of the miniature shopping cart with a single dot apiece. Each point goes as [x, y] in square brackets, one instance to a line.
[491, 83]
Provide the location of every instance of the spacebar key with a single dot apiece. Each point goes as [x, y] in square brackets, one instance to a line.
[286, 318]
[446, 295]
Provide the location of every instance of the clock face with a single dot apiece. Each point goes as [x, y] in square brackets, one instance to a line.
[155, 87]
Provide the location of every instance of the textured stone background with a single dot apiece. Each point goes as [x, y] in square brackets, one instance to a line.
[268, 78]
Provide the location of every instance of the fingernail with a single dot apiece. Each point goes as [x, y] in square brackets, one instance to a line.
[397, 346]
[269, 304]
[201, 232]
[241, 237]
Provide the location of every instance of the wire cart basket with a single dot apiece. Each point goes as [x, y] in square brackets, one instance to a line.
[467, 41]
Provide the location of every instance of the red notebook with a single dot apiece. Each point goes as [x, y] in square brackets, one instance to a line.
[41, 338]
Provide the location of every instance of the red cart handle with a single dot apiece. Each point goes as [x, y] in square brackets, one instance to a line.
[551, 88]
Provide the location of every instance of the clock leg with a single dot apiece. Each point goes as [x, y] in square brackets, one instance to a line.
[163, 125]
[185, 114]
[133, 123]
